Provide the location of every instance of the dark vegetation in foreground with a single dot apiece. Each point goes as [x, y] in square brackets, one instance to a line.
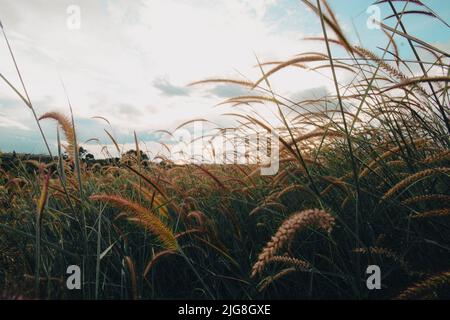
[364, 181]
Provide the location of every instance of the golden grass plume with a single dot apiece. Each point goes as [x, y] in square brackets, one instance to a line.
[295, 223]
[66, 126]
[413, 178]
[144, 216]
[420, 288]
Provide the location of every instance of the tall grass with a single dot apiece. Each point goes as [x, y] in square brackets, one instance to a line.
[372, 157]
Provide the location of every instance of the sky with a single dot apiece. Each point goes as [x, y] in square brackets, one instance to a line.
[131, 61]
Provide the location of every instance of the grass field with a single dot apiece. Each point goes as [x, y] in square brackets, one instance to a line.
[364, 179]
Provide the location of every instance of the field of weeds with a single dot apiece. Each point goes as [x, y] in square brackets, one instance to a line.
[363, 179]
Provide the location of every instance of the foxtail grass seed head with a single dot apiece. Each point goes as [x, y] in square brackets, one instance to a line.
[413, 178]
[295, 223]
[147, 218]
[419, 289]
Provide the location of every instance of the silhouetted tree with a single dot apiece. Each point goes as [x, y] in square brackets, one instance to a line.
[134, 153]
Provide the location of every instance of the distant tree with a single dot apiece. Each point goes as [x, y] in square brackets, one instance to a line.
[82, 152]
[85, 155]
[89, 157]
[134, 153]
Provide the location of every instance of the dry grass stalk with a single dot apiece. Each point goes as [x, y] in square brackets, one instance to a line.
[428, 197]
[43, 197]
[317, 133]
[146, 218]
[225, 81]
[295, 223]
[421, 288]
[369, 55]
[133, 277]
[268, 207]
[153, 199]
[334, 182]
[394, 150]
[391, 164]
[271, 279]
[198, 216]
[432, 214]
[297, 263]
[441, 156]
[413, 178]
[347, 200]
[67, 128]
[292, 188]
[155, 259]
[333, 24]
[288, 63]
[386, 253]
[251, 99]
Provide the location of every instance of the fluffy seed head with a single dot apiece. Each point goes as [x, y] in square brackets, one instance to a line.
[295, 223]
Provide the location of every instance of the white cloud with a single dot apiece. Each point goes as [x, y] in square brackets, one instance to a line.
[124, 48]
[10, 123]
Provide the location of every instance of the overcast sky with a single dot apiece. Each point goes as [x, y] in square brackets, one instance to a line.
[130, 61]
